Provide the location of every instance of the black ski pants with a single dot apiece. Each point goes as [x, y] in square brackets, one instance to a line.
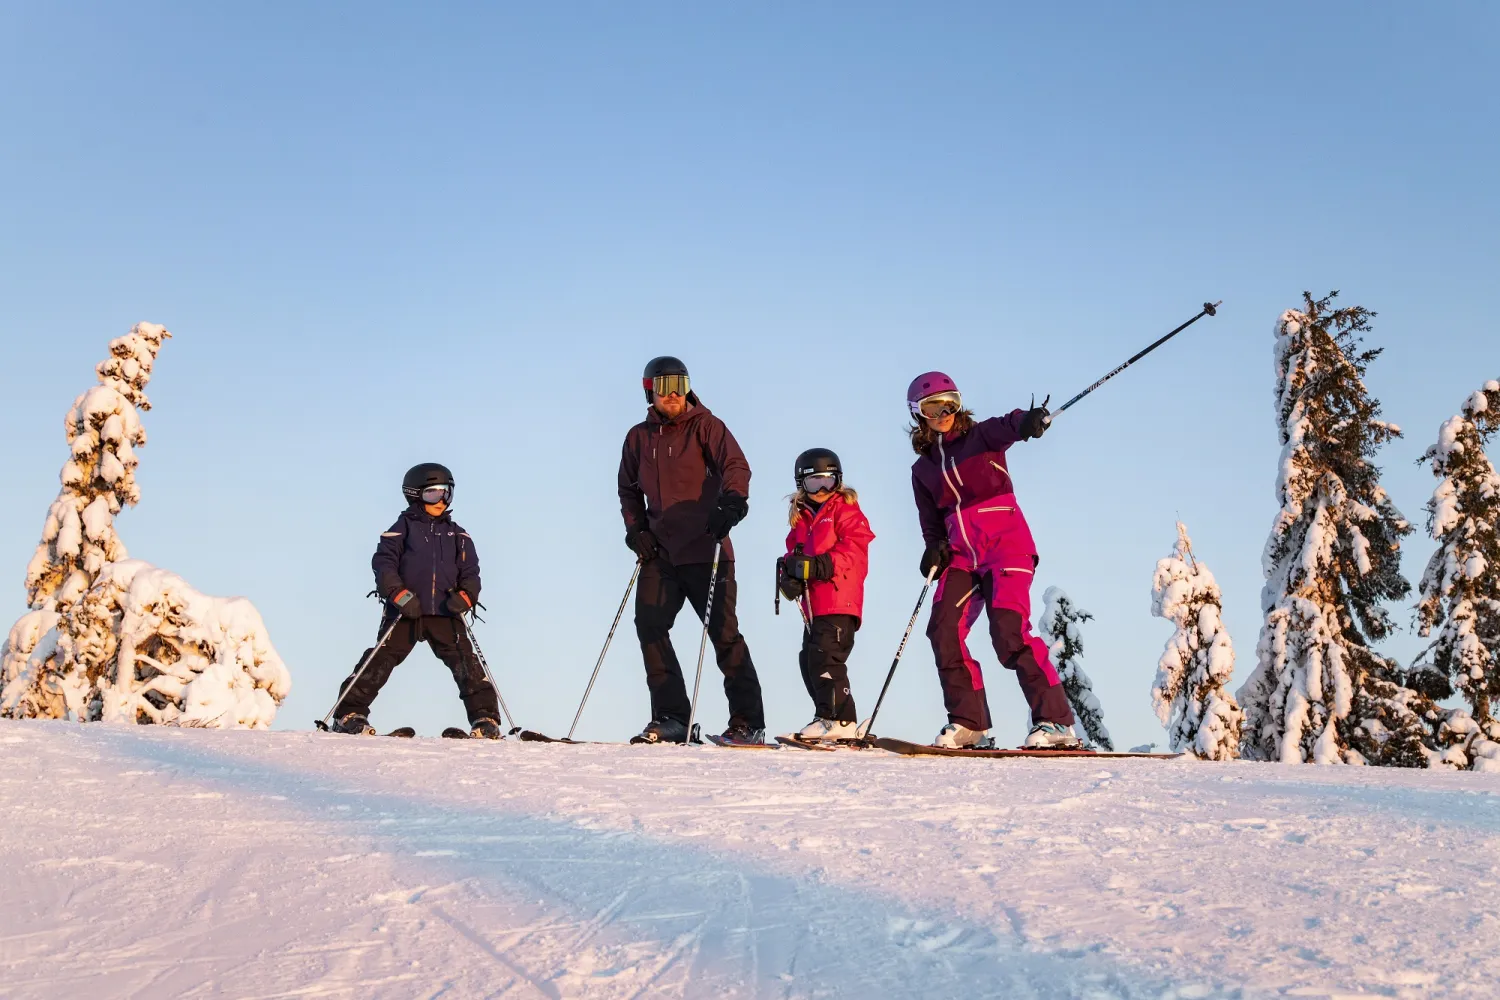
[449, 642]
[824, 661]
[659, 596]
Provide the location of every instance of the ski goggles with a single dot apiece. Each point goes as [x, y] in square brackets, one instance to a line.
[437, 494]
[939, 404]
[667, 385]
[820, 482]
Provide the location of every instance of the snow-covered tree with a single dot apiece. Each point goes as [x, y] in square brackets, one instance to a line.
[1461, 588]
[1199, 715]
[108, 637]
[1319, 692]
[1059, 627]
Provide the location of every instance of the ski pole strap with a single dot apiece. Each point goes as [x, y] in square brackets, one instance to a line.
[1209, 309]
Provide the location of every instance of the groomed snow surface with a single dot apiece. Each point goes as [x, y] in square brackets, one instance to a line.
[163, 862]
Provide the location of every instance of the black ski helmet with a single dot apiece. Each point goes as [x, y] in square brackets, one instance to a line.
[419, 477]
[664, 365]
[819, 460]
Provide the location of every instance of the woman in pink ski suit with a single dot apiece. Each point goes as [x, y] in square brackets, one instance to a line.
[979, 544]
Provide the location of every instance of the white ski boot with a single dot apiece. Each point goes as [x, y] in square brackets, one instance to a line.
[828, 730]
[956, 737]
[1051, 736]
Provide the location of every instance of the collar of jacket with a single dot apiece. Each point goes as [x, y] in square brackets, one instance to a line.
[416, 513]
[653, 416]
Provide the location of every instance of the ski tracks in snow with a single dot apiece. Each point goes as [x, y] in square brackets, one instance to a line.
[148, 862]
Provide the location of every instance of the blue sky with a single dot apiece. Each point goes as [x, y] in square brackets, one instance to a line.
[388, 234]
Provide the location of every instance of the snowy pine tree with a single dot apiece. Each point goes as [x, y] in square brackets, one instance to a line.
[1461, 588]
[1059, 627]
[1319, 693]
[110, 637]
[1199, 715]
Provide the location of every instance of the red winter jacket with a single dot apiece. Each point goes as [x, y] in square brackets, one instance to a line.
[840, 529]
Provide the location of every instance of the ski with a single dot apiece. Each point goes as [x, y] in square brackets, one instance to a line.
[924, 750]
[454, 733]
[792, 741]
[720, 741]
[405, 732]
[531, 736]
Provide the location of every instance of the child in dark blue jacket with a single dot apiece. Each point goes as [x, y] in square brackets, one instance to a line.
[427, 571]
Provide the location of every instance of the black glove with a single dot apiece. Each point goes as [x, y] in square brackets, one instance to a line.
[792, 589]
[406, 602]
[938, 556]
[731, 510]
[644, 544]
[458, 603]
[1036, 422]
[800, 566]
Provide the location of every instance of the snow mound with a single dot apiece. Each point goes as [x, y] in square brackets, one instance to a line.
[154, 862]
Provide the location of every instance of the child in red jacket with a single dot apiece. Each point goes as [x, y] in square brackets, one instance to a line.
[824, 571]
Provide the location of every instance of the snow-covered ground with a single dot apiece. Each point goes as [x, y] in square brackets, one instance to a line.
[158, 862]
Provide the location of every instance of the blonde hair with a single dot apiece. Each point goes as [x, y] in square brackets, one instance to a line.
[799, 500]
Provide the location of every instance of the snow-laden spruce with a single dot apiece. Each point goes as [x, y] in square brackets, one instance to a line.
[1461, 588]
[1059, 627]
[1319, 693]
[112, 638]
[1199, 715]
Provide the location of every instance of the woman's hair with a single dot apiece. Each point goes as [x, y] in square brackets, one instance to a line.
[799, 500]
[923, 436]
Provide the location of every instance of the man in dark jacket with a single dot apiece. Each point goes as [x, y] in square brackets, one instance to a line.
[684, 484]
[427, 571]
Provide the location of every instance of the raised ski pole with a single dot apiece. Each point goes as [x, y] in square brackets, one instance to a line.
[483, 665]
[708, 610]
[323, 722]
[607, 640]
[1209, 309]
[868, 737]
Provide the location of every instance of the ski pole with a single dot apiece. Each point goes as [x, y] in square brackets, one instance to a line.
[870, 726]
[479, 655]
[607, 639]
[1209, 309]
[708, 610]
[323, 723]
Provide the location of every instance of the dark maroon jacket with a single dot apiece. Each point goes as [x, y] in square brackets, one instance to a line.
[671, 475]
[962, 469]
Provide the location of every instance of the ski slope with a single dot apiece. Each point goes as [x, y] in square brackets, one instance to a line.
[156, 862]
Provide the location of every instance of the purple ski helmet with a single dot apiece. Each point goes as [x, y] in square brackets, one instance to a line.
[925, 385]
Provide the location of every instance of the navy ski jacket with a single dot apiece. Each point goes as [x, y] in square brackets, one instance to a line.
[428, 556]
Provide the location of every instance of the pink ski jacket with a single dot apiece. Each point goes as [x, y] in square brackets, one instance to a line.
[841, 530]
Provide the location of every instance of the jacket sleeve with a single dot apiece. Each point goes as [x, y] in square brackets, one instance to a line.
[928, 513]
[632, 498]
[1000, 433]
[851, 550]
[387, 560]
[468, 565]
[727, 458]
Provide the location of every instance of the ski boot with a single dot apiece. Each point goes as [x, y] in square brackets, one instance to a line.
[829, 731]
[487, 729]
[738, 732]
[662, 731]
[1052, 736]
[956, 737]
[354, 724]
